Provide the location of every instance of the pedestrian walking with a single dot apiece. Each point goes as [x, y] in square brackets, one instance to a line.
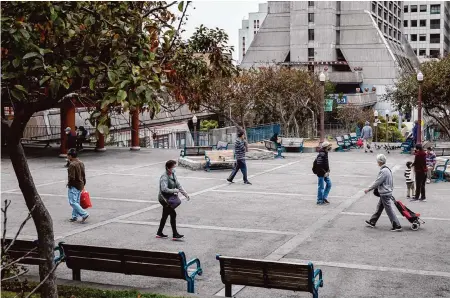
[367, 135]
[420, 169]
[169, 187]
[383, 187]
[240, 147]
[75, 184]
[321, 168]
[409, 175]
[431, 163]
[414, 131]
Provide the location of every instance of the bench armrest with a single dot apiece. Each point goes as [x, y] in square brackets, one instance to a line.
[319, 282]
[440, 168]
[61, 257]
[198, 270]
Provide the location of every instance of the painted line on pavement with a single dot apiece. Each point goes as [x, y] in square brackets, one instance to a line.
[159, 175]
[204, 227]
[369, 214]
[371, 267]
[92, 197]
[274, 193]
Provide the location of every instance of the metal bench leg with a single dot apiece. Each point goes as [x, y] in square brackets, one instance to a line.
[190, 286]
[76, 274]
[228, 290]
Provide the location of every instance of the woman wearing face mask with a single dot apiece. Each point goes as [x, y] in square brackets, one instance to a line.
[169, 186]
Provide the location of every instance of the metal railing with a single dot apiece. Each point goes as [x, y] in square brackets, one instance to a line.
[262, 132]
[43, 132]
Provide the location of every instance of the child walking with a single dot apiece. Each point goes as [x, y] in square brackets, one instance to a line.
[409, 175]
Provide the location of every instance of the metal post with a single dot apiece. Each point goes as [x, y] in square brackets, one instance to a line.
[419, 116]
[195, 135]
[322, 112]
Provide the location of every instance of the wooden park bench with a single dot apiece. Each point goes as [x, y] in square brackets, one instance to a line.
[195, 150]
[442, 149]
[440, 169]
[269, 274]
[272, 146]
[219, 159]
[348, 141]
[292, 144]
[130, 262]
[28, 252]
[342, 145]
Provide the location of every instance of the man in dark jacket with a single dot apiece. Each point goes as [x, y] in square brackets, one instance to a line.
[322, 170]
[76, 183]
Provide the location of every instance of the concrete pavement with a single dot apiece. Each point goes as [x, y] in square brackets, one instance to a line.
[276, 218]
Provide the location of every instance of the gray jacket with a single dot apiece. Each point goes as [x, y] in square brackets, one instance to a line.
[384, 182]
[366, 132]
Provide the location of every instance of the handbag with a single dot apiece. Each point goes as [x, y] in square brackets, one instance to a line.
[174, 201]
[85, 200]
[376, 192]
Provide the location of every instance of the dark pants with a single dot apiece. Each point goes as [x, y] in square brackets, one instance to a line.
[240, 165]
[421, 178]
[173, 219]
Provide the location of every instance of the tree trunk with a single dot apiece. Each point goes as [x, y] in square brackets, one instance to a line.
[41, 217]
[447, 130]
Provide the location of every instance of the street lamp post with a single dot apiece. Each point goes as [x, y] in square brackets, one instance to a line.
[322, 107]
[375, 114]
[194, 121]
[387, 128]
[419, 108]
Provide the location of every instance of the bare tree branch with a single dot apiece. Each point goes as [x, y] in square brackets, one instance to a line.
[160, 7]
[16, 276]
[19, 259]
[43, 281]
[20, 229]
[5, 219]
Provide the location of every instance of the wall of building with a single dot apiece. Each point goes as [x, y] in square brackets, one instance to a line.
[250, 28]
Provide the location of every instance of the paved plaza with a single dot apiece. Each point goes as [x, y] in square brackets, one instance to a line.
[276, 218]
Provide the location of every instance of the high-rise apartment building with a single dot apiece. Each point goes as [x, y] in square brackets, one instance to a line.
[250, 28]
[427, 27]
[359, 45]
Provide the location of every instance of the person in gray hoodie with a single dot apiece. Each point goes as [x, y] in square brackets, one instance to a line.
[385, 185]
[366, 135]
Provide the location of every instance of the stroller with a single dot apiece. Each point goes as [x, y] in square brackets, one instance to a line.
[413, 218]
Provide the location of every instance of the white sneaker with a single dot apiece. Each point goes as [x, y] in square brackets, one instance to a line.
[428, 181]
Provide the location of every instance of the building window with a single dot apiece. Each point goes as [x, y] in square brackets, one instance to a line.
[390, 19]
[385, 15]
[399, 12]
[413, 8]
[390, 5]
[380, 11]
[422, 37]
[423, 8]
[435, 24]
[405, 8]
[399, 24]
[374, 7]
[310, 52]
[310, 34]
[423, 23]
[311, 17]
[413, 37]
[413, 23]
[257, 24]
[422, 52]
[254, 32]
[254, 24]
[435, 53]
[435, 38]
[435, 9]
[311, 3]
[379, 25]
[399, 35]
[385, 29]
[405, 23]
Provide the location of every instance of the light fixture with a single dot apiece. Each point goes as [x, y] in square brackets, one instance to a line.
[375, 113]
[387, 112]
[420, 76]
[194, 119]
[322, 77]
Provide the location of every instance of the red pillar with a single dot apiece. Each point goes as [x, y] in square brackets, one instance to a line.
[135, 130]
[100, 140]
[67, 114]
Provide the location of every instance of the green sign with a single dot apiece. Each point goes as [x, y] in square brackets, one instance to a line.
[328, 105]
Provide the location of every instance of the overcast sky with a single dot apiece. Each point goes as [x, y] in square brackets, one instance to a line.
[227, 15]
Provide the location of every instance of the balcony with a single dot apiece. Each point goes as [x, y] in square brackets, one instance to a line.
[345, 77]
[362, 99]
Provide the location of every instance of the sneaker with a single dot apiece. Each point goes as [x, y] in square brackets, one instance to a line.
[177, 237]
[161, 235]
[73, 219]
[326, 202]
[247, 182]
[428, 181]
[85, 218]
[371, 151]
[414, 199]
[370, 224]
[320, 203]
[408, 198]
[423, 200]
[365, 151]
[396, 229]
[231, 181]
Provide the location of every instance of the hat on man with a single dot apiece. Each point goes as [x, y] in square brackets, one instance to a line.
[326, 144]
[68, 129]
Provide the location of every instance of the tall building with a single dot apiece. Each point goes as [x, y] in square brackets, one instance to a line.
[426, 26]
[359, 45]
[250, 28]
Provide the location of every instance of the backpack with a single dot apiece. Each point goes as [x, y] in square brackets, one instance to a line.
[314, 168]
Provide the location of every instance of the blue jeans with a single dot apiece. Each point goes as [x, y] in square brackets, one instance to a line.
[240, 165]
[322, 191]
[74, 201]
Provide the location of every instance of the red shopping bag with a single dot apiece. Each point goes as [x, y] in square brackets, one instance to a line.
[359, 143]
[85, 200]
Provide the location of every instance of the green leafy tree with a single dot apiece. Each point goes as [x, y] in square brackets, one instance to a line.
[106, 53]
[435, 92]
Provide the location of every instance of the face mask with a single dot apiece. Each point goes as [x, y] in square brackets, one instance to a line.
[173, 170]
